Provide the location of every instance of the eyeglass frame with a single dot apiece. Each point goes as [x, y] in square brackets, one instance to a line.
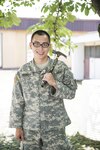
[40, 44]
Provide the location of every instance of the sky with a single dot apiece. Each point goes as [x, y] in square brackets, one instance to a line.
[34, 12]
[28, 12]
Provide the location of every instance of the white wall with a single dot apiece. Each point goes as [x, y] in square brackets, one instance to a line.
[78, 62]
[90, 38]
[89, 100]
[0, 49]
[14, 49]
[94, 68]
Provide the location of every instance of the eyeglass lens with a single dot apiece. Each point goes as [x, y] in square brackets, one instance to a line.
[44, 44]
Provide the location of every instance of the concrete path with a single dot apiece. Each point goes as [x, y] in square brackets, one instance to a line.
[6, 84]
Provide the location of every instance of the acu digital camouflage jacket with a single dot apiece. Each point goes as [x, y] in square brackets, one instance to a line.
[34, 107]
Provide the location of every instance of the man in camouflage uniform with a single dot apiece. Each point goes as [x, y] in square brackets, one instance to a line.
[39, 115]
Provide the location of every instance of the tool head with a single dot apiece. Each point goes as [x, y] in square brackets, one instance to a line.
[58, 53]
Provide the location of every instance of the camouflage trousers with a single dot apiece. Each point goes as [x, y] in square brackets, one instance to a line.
[49, 140]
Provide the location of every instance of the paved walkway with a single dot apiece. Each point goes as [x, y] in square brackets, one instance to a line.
[84, 109]
[6, 84]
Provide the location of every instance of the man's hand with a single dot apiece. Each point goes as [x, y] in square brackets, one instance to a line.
[19, 134]
[50, 79]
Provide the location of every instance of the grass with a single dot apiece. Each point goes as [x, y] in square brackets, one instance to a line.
[79, 142]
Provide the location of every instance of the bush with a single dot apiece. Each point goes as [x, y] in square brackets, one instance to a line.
[9, 143]
[80, 142]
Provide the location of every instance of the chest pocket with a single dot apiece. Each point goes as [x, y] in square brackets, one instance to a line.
[30, 80]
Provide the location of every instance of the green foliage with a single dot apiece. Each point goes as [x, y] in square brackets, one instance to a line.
[2, 2]
[80, 142]
[84, 6]
[55, 20]
[9, 19]
[64, 9]
[56, 16]
[8, 16]
[96, 5]
[17, 3]
[9, 144]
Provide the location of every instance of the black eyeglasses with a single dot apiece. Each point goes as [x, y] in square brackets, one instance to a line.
[44, 44]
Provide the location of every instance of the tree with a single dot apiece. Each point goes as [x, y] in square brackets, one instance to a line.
[96, 5]
[57, 13]
[8, 16]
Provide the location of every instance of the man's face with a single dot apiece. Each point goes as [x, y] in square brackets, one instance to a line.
[40, 46]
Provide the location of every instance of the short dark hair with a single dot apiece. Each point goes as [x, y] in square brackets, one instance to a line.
[40, 32]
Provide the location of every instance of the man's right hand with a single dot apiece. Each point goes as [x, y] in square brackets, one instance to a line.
[19, 134]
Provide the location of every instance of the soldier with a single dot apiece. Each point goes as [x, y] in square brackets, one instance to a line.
[39, 115]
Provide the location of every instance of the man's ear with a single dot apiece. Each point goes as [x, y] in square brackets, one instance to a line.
[50, 49]
[30, 45]
[50, 46]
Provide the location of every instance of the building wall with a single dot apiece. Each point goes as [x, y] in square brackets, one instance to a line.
[13, 48]
[78, 62]
[80, 65]
[0, 49]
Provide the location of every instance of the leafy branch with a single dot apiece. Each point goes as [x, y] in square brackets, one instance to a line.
[56, 15]
[54, 20]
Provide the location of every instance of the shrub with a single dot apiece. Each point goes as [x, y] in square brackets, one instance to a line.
[78, 141]
[9, 143]
[81, 142]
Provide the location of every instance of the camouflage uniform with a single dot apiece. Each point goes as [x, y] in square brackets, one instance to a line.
[40, 113]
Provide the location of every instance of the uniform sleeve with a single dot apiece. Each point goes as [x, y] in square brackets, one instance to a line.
[17, 105]
[66, 88]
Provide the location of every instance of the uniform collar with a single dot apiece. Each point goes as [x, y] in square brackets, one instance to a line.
[31, 67]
